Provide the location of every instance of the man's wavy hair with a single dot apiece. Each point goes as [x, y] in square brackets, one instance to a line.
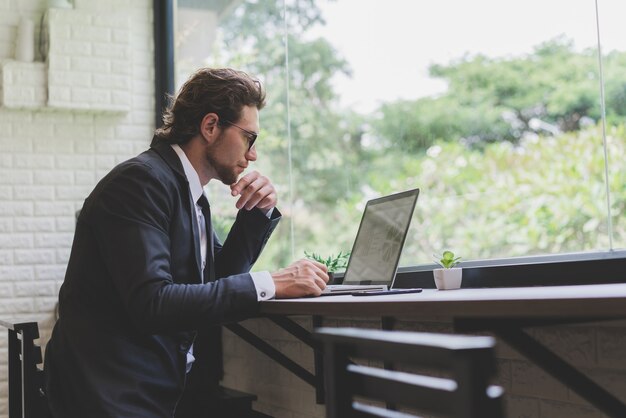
[222, 91]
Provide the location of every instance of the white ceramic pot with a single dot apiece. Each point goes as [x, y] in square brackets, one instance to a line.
[448, 279]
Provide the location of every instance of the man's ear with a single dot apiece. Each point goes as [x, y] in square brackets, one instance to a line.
[209, 127]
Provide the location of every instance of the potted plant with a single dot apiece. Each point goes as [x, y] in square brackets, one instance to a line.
[332, 263]
[448, 277]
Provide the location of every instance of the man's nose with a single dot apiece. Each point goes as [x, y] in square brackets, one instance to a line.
[251, 154]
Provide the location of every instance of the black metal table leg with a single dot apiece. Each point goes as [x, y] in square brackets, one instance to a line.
[387, 323]
[272, 353]
[318, 355]
[296, 330]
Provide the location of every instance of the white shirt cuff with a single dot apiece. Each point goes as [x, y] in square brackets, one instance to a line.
[264, 284]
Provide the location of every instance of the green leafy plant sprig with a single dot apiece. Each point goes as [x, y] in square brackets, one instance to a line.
[332, 262]
[447, 260]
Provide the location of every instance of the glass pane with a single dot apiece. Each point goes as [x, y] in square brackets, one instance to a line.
[612, 34]
[491, 108]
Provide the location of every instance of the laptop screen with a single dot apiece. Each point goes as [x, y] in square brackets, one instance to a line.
[379, 241]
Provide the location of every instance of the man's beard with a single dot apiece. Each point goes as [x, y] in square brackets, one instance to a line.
[225, 174]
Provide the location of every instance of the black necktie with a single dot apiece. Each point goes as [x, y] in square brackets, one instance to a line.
[209, 267]
[208, 368]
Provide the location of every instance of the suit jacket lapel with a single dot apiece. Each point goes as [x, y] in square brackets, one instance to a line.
[169, 156]
[209, 268]
[196, 235]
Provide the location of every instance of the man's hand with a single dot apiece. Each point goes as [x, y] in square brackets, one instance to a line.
[255, 191]
[302, 278]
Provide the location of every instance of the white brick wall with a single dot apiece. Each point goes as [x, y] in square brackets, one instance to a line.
[89, 60]
[24, 84]
[88, 64]
[51, 159]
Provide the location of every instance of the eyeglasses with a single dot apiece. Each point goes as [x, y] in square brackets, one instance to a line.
[250, 136]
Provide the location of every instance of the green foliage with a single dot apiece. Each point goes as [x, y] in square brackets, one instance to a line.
[493, 99]
[546, 195]
[332, 262]
[447, 260]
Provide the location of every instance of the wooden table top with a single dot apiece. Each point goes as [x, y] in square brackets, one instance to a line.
[588, 301]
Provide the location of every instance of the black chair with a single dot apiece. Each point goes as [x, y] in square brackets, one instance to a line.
[468, 362]
[26, 395]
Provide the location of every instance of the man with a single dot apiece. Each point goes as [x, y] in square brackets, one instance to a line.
[148, 281]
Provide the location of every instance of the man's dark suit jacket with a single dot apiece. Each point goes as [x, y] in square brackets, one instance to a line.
[132, 301]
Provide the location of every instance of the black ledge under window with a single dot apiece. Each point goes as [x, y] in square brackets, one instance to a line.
[547, 270]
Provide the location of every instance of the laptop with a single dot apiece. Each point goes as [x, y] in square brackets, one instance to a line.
[378, 245]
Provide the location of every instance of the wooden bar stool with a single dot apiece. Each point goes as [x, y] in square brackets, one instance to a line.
[353, 390]
[26, 395]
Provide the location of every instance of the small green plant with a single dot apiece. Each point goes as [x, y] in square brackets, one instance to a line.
[332, 262]
[447, 259]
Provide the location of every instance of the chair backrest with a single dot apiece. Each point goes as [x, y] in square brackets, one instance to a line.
[467, 362]
[26, 395]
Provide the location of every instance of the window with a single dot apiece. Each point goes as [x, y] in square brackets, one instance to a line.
[493, 109]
